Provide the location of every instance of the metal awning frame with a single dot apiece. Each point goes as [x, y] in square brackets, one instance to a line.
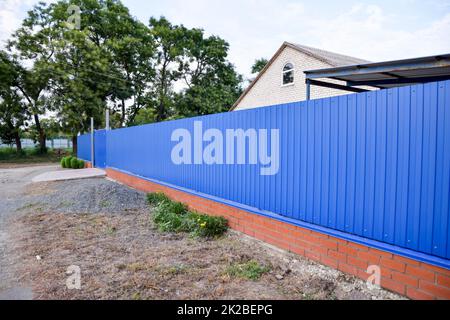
[384, 72]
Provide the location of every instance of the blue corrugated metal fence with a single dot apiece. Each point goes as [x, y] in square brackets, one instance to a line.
[375, 165]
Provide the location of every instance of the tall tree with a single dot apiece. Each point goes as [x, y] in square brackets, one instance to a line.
[170, 41]
[33, 43]
[13, 113]
[79, 89]
[212, 82]
[259, 65]
[207, 82]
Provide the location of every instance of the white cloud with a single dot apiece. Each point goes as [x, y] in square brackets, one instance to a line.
[367, 32]
[257, 28]
[11, 15]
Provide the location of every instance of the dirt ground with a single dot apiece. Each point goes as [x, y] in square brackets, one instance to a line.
[122, 256]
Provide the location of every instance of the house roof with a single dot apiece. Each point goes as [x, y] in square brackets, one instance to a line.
[330, 58]
[388, 74]
[334, 59]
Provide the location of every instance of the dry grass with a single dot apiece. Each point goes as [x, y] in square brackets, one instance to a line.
[122, 256]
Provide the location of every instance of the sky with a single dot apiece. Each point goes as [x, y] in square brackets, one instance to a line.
[372, 30]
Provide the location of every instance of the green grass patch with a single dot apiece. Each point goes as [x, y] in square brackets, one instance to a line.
[172, 216]
[250, 270]
[156, 198]
[28, 155]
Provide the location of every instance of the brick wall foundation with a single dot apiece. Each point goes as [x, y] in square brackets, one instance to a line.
[411, 278]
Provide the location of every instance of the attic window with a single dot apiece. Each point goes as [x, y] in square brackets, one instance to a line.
[288, 74]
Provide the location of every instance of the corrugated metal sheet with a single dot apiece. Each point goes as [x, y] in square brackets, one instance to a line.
[100, 148]
[84, 147]
[375, 164]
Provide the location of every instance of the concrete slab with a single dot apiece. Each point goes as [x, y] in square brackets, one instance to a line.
[62, 175]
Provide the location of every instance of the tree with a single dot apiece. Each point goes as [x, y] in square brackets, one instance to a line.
[259, 65]
[78, 87]
[128, 46]
[211, 84]
[13, 113]
[112, 61]
[33, 42]
[170, 42]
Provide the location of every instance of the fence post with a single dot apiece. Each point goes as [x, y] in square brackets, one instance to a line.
[92, 143]
[107, 119]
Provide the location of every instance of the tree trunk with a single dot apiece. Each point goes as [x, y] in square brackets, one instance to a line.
[75, 146]
[18, 142]
[42, 138]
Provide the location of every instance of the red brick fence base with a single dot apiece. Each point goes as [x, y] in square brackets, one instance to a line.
[414, 279]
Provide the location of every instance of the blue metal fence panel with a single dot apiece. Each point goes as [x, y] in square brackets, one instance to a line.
[100, 153]
[84, 147]
[375, 164]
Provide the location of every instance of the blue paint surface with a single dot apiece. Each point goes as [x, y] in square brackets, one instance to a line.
[374, 165]
[84, 147]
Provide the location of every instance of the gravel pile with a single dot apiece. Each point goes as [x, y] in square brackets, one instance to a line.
[88, 196]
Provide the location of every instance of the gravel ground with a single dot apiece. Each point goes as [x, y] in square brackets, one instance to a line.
[84, 196]
[105, 229]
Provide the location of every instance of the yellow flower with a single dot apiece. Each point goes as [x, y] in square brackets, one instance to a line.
[203, 225]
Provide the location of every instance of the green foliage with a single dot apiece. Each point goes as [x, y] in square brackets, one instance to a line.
[250, 270]
[27, 155]
[81, 164]
[69, 162]
[63, 163]
[112, 61]
[259, 65]
[13, 112]
[156, 198]
[74, 163]
[207, 226]
[171, 216]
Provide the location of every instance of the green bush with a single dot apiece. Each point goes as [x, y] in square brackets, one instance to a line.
[208, 226]
[74, 163]
[63, 162]
[81, 164]
[156, 198]
[171, 216]
[68, 162]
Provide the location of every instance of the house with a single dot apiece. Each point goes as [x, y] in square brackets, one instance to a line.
[283, 80]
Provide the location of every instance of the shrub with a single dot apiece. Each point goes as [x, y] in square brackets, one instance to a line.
[74, 163]
[251, 270]
[81, 164]
[171, 216]
[208, 226]
[156, 198]
[68, 162]
[168, 221]
[63, 162]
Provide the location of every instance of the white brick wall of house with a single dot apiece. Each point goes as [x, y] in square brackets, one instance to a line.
[268, 89]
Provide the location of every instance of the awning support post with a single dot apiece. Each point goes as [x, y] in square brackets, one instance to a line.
[308, 90]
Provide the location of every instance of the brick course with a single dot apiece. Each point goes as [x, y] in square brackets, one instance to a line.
[414, 279]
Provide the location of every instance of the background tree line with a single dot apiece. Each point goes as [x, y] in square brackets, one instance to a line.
[55, 76]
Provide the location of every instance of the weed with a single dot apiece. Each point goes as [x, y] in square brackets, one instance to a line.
[171, 216]
[155, 199]
[250, 270]
[137, 296]
[136, 267]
